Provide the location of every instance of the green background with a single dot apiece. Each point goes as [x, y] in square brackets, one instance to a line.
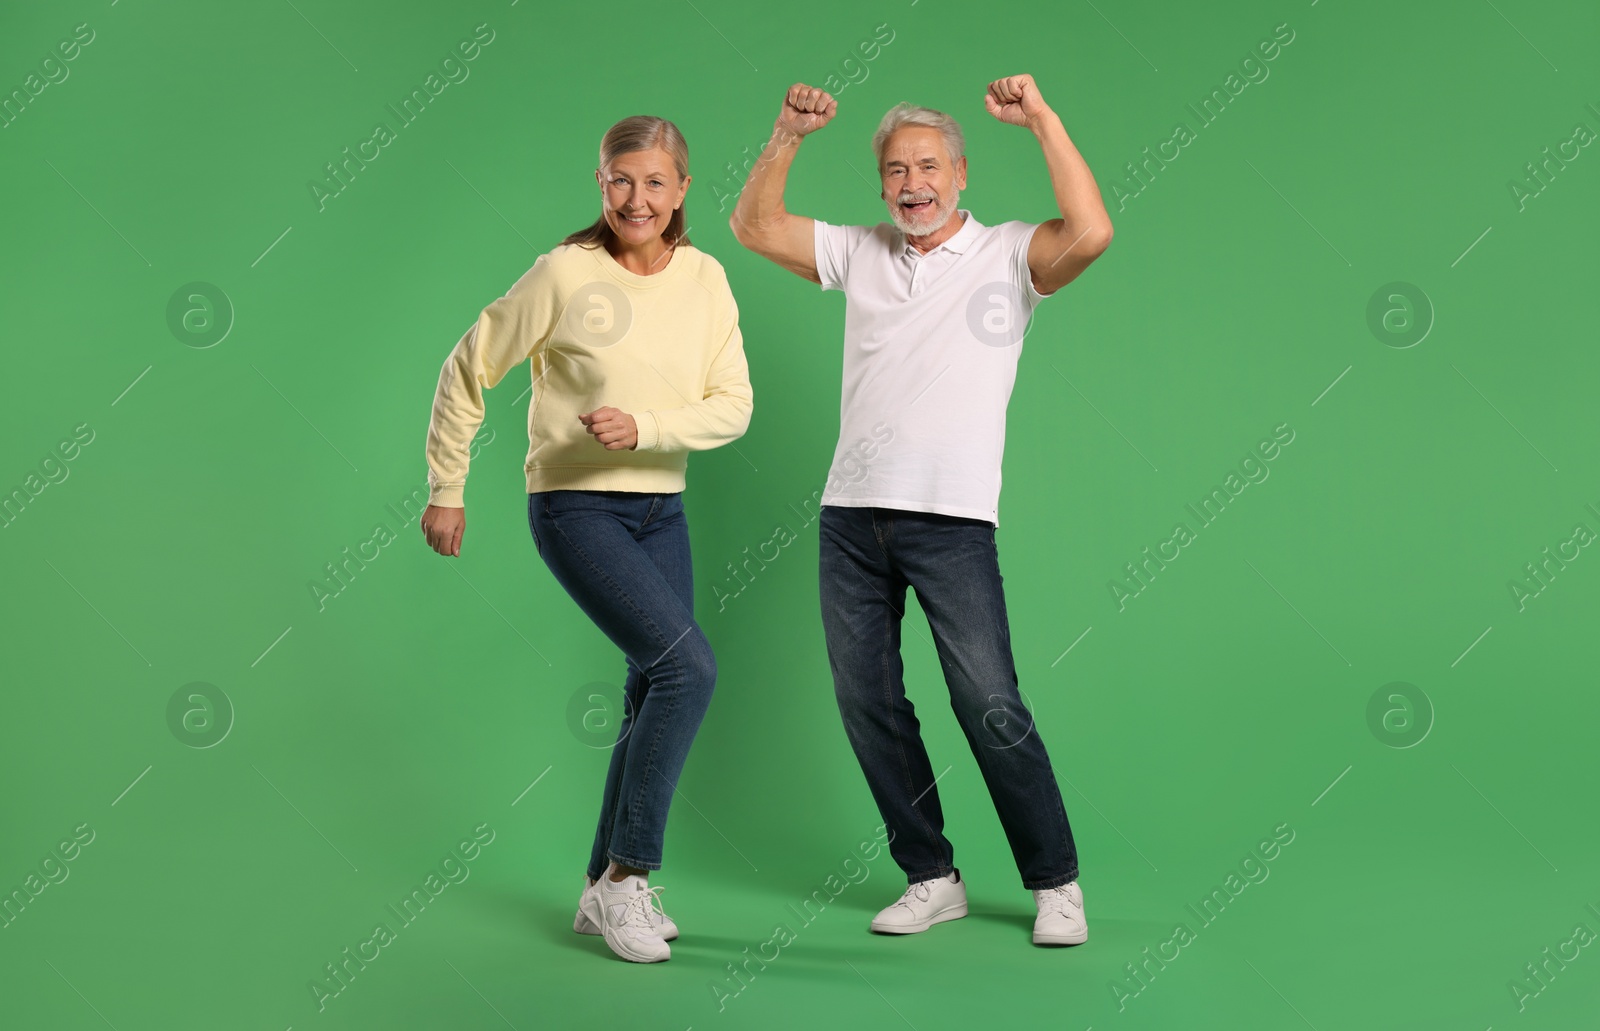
[370, 735]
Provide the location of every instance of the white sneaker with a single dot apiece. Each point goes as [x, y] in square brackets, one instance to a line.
[583, 925]
[622, 912]
[1060, 920]
[924, 904]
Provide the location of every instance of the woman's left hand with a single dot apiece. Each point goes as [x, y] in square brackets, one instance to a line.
[612, 427]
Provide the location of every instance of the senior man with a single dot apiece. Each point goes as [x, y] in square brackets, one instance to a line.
[936, 306]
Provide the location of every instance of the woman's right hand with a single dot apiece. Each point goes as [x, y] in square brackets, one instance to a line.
[443, 528]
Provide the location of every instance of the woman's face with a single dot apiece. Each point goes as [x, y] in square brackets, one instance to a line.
[640, 190]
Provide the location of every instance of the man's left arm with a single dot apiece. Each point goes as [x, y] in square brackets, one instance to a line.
[1063, 247]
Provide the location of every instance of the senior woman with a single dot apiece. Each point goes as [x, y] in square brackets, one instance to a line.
[636, 360]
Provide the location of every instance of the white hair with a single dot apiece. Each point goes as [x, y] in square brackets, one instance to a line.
[904, 114]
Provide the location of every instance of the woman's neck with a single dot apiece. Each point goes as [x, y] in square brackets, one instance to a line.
[639, 261]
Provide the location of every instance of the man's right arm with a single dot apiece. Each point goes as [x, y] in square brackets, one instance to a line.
[760, 221]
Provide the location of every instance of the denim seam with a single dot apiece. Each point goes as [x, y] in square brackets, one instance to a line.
[612, 803]
[629, 816]
[884, 683]
[644, 618]
[635, 862]
[1003, 620]
[1050, 882]
[899, 740]
[1066, 825]
[631, 830]
[1061, 808]
[917, 878]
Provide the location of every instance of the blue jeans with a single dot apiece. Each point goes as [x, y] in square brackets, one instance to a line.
[624, 558]
[869, 556]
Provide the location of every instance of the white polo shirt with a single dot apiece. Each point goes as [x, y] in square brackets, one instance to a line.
[931, 343]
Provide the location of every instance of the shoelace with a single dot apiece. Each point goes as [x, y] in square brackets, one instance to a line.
[641, 906]
[655, 902]
[919, 890]
[1058, 899]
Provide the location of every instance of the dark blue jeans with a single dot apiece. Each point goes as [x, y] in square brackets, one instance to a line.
[869, 556]
[624, 558]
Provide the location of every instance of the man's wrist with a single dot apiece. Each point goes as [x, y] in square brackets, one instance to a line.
[785, 136]
[1044, 122]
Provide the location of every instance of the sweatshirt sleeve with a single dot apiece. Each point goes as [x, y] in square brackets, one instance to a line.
[507, 332]
[722, 413]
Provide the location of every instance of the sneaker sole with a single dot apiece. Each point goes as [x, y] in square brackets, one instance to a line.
[955, 912]
[610, 942]
[1060, 939]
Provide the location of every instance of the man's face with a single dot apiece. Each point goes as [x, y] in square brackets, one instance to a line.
[640, 191]
[921, 186]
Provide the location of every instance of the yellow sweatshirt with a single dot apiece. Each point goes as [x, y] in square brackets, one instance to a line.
[665, 348]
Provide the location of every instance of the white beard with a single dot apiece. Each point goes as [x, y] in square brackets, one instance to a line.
[931, 222]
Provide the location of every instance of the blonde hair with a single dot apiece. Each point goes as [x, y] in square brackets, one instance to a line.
[635, 133]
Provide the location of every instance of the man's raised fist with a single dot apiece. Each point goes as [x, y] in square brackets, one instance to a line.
[806, 109]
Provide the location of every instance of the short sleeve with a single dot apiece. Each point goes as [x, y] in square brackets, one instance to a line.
[1019, 263]
[835, 245]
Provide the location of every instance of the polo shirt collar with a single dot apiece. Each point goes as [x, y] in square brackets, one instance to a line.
[957, 243]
